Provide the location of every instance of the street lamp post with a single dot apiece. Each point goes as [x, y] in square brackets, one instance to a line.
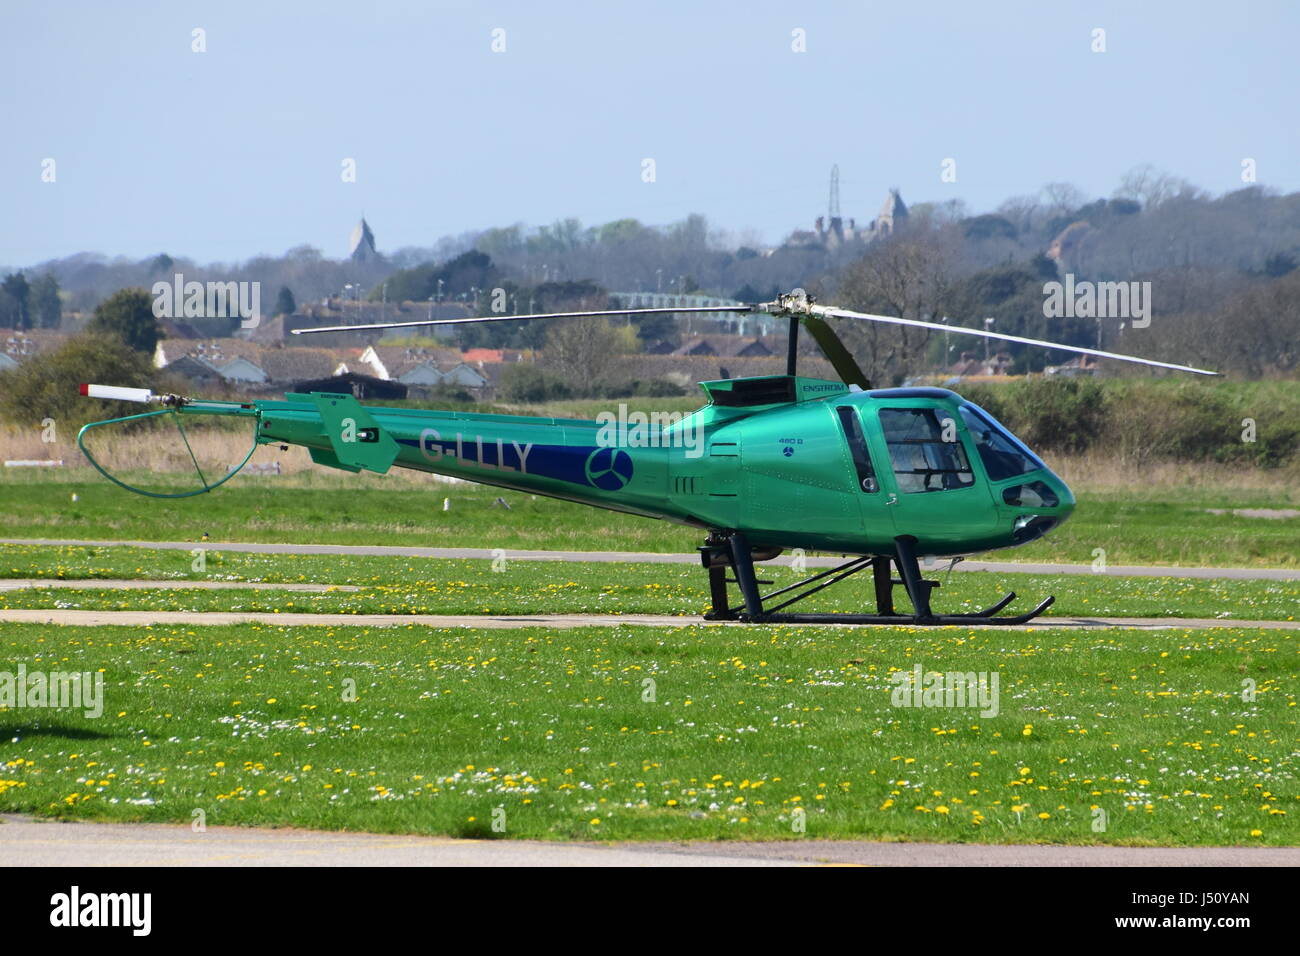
[987, 324]
[357, 294]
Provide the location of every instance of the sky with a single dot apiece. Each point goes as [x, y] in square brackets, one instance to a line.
[239, 150]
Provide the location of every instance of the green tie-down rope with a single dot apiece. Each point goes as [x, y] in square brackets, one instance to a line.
[81, 435]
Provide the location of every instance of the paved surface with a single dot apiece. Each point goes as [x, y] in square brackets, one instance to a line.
[647, 557]
[500, 621]
[28, 842]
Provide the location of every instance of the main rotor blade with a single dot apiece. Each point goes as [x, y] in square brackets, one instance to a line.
[517, 318]
[982, 333]
[841, 359]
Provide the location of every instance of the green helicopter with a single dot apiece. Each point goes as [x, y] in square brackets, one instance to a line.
[770, 463]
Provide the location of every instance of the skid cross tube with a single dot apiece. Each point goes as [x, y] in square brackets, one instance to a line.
[851, 567]
[722, 551]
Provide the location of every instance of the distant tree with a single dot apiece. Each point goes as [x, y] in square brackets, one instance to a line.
[1279, 264]
[468, 271]
[911, 276]
[284, 303]
[987, 227]
[128, 314]
[524, 382]
[501, 242]
[17, 303]
[9, 309]
[620, 230]
[46, 385]
[1012, 295]
[1061, 198]
[161, 263]
[1023, 212]
[1151, 187]
[1253, 335]
[46, 307]
[574, 296]
[582, 351]
[411, 285]
[655, 327]
[459, 277]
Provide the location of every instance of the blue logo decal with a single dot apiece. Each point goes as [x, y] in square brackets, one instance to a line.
[788, 451]
[609, 469]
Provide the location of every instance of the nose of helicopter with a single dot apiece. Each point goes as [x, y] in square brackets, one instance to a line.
[1040, 506]
[1065, 506]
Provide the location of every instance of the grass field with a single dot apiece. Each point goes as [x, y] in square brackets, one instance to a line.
[1112, 736]
[1157, 525]
[392, 585]
[1101, 735]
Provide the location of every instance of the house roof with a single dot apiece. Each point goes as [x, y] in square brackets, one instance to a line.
[215, 352]
[727, 345]
[395, 361]
[20, 344]
[292, 365]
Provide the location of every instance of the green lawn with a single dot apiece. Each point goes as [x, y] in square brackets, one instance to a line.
[1138, 526]
[441, 586]
[1145, 732]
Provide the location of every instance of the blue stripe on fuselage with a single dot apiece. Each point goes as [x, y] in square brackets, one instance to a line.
[561, 462]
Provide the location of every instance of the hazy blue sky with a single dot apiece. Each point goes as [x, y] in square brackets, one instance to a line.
[237, 151]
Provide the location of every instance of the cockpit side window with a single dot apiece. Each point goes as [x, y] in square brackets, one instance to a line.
[1003, 455]
[925, 451]
[858, 448]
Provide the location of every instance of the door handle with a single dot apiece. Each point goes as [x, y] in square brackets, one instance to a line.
[892, 499]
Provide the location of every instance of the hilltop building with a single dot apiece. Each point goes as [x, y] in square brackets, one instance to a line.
[362, 244]
[832, 231]
[892, 214]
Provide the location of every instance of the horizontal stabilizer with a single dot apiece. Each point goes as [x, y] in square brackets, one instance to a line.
[330, 460]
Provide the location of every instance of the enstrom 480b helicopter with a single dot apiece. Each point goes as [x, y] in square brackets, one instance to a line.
[882, 476]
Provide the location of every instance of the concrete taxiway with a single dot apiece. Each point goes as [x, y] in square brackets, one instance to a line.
[649, 557]
[76, 617]
[25, 841]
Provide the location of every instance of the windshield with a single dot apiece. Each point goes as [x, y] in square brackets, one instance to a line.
[1003, 454]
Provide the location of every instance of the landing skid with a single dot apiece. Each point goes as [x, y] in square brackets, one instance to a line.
[732, 553]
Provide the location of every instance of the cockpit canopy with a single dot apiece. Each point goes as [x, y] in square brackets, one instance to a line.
[1004, 455]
